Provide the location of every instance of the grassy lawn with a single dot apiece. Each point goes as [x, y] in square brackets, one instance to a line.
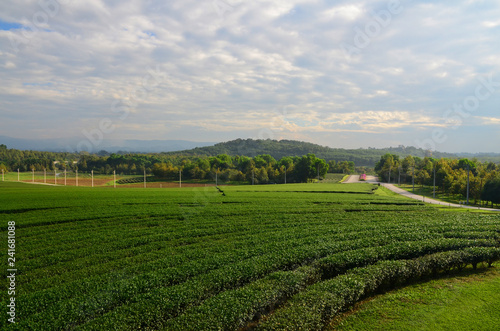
[427, 191]
[334, 178]
[386, 192]
[466, 301]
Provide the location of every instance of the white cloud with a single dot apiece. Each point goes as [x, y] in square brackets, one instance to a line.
[488, 120]
[9, 65]
[225, 74]
[348, 12]
[491, 24]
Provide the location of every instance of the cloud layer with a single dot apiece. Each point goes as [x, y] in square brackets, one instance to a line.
[339, 73]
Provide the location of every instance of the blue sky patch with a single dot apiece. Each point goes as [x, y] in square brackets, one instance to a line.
[38, 84]
[6, 26]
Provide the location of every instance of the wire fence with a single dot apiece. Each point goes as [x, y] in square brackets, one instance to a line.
[88, 179]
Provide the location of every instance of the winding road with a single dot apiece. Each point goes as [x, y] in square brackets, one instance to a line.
[374, 180]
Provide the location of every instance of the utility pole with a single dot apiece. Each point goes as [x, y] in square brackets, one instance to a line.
[253, 176]
[217, 177]
[390, 174]
[18, 175]
[64, 176]
[55, 176]
[92, 172]
[413, 179]
[33, 175]
[180, 178]
[145, 177]
[76, 177]
[468, 172]
[44, 176]
[285, 175]
[434, 189]
[399, 175]
[114, 178]
[318, 172]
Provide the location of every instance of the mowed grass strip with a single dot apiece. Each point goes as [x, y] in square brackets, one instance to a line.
[469, 300]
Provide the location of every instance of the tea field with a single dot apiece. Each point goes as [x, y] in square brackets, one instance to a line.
[270, 257]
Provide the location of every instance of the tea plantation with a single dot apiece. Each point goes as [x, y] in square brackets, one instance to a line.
[270, 257]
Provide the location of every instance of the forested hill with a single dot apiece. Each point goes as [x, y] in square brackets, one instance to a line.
[282, 148]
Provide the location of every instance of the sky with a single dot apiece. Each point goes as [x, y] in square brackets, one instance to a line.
[348, 74]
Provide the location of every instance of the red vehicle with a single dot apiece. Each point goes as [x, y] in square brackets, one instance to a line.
[362, 177]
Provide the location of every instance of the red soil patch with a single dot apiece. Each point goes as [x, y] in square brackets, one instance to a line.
[103, 182]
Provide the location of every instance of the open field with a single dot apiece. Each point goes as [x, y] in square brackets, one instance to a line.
[270, 257]
[428, 191]
[333, 178]
[469, 300]
[85, 180]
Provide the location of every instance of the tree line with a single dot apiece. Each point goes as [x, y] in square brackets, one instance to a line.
[449, 175]
[13, 159]
[262, 168]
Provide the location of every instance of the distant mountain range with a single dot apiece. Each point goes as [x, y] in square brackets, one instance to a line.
[113, 146]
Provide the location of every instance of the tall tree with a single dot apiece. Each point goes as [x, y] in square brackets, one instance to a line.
[491, 191]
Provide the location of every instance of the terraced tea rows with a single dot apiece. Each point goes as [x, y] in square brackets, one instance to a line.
[203, 258]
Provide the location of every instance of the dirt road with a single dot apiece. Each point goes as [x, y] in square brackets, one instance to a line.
[351, 179]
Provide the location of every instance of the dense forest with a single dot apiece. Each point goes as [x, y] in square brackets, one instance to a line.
[449, 175]
[259, 169]
[13, 159]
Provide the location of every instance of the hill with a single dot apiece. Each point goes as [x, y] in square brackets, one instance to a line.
[282, 148]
